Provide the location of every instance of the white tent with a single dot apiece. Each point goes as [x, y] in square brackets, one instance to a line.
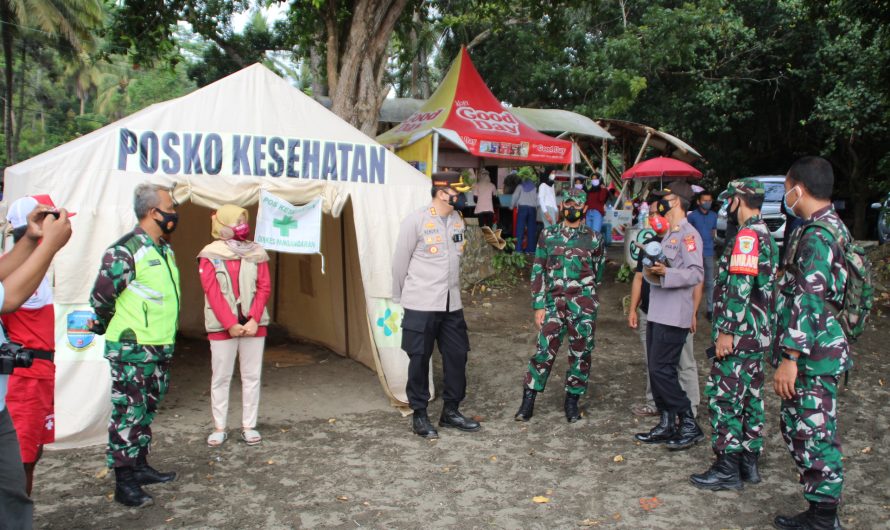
[222, 144]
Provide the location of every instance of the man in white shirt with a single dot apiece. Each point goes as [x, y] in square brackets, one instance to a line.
[547, 200]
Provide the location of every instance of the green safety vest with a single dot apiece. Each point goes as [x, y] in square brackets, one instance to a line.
[147, 311]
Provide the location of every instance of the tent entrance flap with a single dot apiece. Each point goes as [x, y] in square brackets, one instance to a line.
[326, 309]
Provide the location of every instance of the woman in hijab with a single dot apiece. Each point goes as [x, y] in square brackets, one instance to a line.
[235, 276]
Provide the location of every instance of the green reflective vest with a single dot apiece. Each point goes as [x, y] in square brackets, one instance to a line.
[147, 311]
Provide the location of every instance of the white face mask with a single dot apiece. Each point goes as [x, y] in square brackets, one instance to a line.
[595, 182]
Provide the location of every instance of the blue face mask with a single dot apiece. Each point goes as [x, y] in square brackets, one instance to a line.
[789, 208]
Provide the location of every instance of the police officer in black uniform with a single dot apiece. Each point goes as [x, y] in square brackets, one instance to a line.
[426, 282]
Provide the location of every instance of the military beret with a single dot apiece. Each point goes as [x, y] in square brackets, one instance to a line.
[747, 186]
[574, 195]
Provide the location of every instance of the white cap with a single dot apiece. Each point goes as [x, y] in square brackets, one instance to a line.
[19, 211]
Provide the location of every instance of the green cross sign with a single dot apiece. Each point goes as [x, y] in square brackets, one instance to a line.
[284, 225]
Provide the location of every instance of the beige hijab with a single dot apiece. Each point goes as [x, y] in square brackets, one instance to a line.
[222, 227]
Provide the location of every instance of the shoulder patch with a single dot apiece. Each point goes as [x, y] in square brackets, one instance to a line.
[745, 253]
[689, 241]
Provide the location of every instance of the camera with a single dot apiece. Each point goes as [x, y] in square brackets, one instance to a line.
[13, 356]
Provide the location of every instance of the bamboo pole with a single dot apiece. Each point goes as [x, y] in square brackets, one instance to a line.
[643, 148]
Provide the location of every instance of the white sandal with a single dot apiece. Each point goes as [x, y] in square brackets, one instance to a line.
[216, 439]
[251, 436]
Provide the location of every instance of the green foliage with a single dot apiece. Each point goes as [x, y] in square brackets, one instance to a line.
[625, 273]
[527, 173]
[508, 260]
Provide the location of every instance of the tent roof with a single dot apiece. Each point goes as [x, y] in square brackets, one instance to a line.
[464, 104]
[560, 121]
[671, 145]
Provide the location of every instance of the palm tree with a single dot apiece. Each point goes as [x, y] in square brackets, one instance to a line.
[86, 74]
[71, 20]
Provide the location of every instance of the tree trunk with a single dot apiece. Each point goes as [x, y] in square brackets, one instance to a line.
[20, 116]
[6, 16]
[357, 93]
[319, 87]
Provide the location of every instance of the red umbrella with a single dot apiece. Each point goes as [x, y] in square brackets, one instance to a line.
[661, 167]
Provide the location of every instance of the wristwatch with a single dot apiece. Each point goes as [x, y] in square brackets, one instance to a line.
[786, 355]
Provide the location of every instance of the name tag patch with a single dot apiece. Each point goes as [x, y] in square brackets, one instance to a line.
[154, 262]
[745, 256]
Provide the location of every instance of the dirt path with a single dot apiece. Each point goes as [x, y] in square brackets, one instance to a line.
[336, 455]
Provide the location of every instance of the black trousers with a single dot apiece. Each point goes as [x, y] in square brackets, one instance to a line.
[663, 345]
[486, 218]
[16, 508]
[448, 329]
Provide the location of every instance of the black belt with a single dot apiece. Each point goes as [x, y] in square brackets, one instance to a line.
[43, 354]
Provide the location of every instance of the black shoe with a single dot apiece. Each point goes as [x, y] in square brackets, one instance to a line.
[527, 408]
[144, 474]
[571, 408]
[688, 434]
[127, 491]
[451, 417]
[661, 433]
[422, 426]
[820, 516]
[749, 471]
[724, 474]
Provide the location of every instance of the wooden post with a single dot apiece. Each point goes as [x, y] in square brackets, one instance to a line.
[643, 148]
[435, 152]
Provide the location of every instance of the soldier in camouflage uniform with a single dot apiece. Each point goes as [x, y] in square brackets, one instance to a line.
[812, 343]
[742, 333]
[568, 266]
[136, 300]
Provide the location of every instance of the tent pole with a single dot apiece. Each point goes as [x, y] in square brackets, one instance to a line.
[572, 168]
[435, 152]
[643, 147]
[277, 284]
[345, 291]
[605, 158]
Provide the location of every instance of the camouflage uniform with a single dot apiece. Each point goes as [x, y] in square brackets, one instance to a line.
[743, 307]
[139, 372]
[568, 265]
[810, 293]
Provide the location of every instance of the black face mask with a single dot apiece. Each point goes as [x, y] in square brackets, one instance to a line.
[169, 221]
[733, 215]
[571, 214]
[452, 200]
[664, 206]
[18, 233]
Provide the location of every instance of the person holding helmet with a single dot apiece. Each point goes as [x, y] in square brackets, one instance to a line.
[568, 266]
[671, 317]
[426, 282]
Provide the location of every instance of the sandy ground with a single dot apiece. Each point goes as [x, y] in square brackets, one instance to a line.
[337, 455]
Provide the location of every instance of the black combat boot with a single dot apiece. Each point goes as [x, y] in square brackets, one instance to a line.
[527, 408]
[724, 474]
[571, 408]
[661, 433]
[422, 426]
[127, 491]
[748, 465]
[688, 434]
[144, 474]
[451, 417]
[819, 516]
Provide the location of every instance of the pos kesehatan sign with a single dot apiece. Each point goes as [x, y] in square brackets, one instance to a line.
[283, 227]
